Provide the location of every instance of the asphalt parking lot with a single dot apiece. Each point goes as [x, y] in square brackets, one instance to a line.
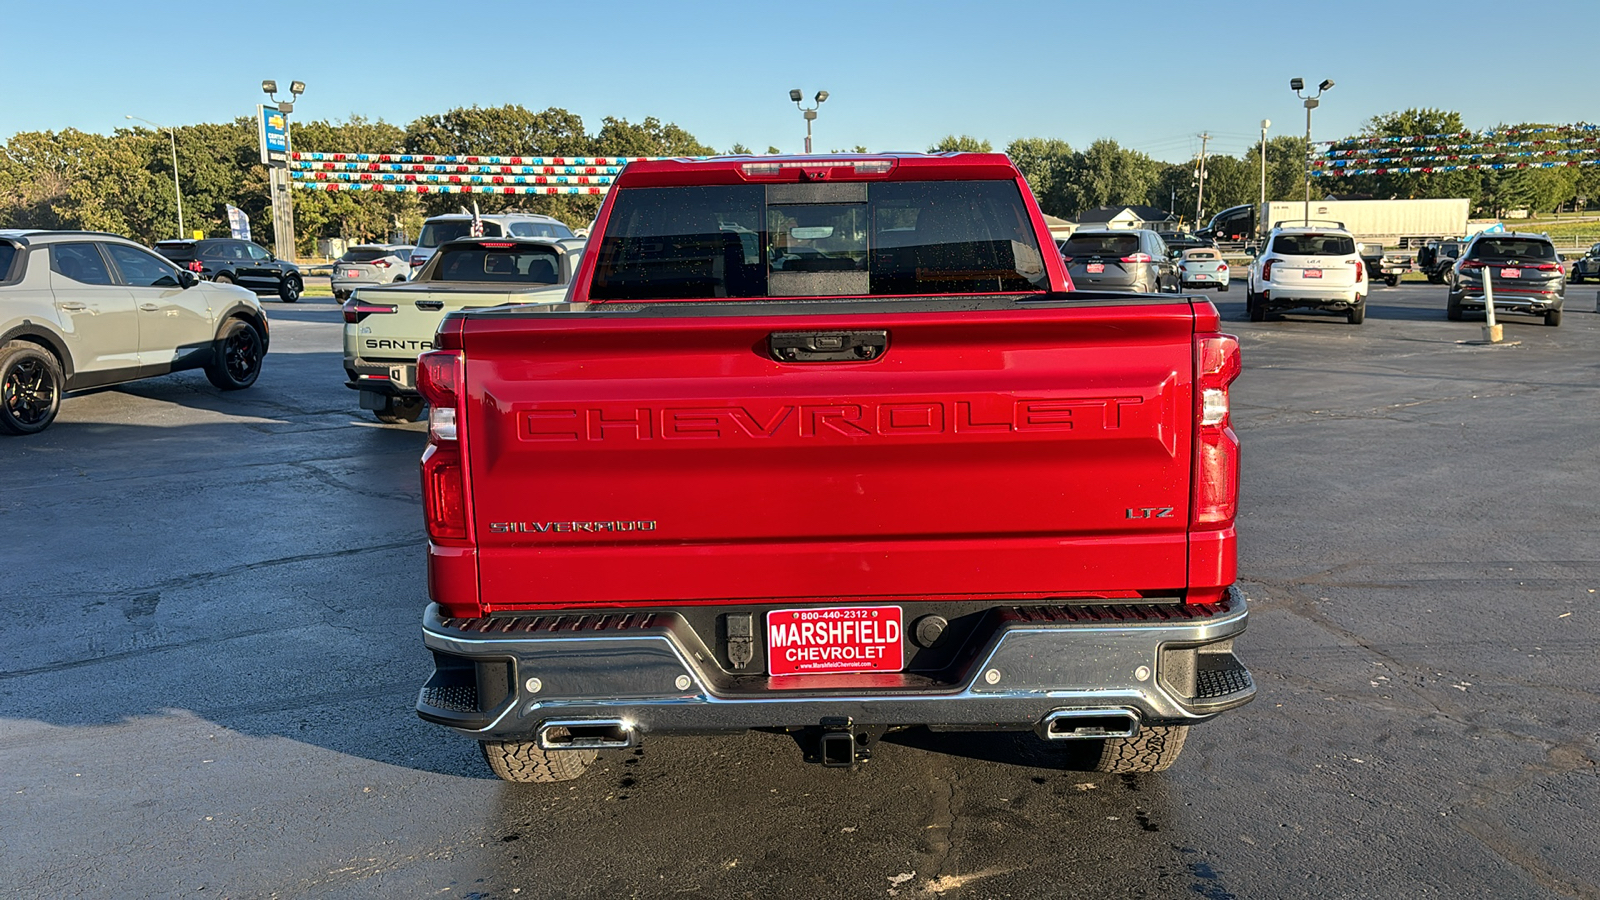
[212, 650]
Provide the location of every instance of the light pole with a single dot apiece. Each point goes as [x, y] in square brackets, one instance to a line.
[1297, 85]
[175, 188]
[810, 114]
[278, 174]
[1265, 124]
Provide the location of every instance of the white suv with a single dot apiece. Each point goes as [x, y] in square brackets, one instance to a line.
[439, 230]
[79, 309]
[1308, 267]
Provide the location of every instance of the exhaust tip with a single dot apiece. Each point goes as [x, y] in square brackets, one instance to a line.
[1088, 724]
[587, 734]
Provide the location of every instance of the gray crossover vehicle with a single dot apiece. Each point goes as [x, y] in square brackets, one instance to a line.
[80, 309]
[1525, 274]
[369, 265]
[1132, 260]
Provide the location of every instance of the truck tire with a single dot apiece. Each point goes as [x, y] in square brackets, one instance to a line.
[236, 358]
[1254, 306]
[1452, 308]
[1154, 749]
[398, 410]
[30, 388]
[1391, 280]
[524, 762]
[1553, 318]
[1358, 313]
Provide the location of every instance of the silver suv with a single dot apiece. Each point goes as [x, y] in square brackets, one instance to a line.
[80, 309]
[443, 229]
[1134, 259]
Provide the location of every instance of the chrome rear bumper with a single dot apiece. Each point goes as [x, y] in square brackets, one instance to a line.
[509, 678]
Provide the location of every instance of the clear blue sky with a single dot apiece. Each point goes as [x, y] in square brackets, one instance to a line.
[1151, 75]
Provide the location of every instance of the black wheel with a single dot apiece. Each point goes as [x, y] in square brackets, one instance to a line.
[1452, 308]
[1391, 280]
[341, 296]
[30, 388]
[1435, 278]
[1575, 278]
[1222, 288]
[236, 360]
[525, 762]
[1358, 313]
[1553, 318]
[1254, 306]
[397, 410]
[289, 290]
[223, 278]
[1154, 749]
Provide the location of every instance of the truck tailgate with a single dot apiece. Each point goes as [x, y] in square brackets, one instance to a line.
[627, 458]
[420, 307]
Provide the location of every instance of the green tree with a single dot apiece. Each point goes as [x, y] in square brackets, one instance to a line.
[1107, 174]
[1047, 164]
[965, 143]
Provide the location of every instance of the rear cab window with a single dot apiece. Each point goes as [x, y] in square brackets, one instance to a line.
[177, 251]
[818, 240]
[1314, 244]
[508, 263]
[443, 231]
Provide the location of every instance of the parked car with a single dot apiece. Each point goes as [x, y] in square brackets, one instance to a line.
[369, 265]
[1436, 258]
[440, 230]
[1524, 271]
[1587, 267]
[80, 309]
[1382, 264]
[232, 261]
[1203, 268]
[386, 327]
[1134, 259]
[1308, 267]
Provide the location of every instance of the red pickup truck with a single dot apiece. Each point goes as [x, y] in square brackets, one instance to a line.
[829, 445]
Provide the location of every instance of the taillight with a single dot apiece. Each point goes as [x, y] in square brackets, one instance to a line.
[196, 265]
[1216, 466]
[381, 263]
[444, 477]
[1222, 267]
[1361, 270]
[1266, 270]
[1472, 264]
[1546, 267]
[417, 261]
[1137, 258]
[356, 309]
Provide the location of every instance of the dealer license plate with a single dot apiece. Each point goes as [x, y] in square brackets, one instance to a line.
[833, 640]
[1510, 273]
[1201, 277]
[1312, 273]
[352, 273]
[1095, 268]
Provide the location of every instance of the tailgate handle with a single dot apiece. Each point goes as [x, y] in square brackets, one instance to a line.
[827, 346]
[430, 305]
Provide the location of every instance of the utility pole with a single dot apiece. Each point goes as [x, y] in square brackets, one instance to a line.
[1199, 198]
[1265, 124]
[1311, 102]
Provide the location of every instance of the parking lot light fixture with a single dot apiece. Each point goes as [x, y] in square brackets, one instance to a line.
[809, 112]
[268, 86]
[1311, 102]
[176, 189]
